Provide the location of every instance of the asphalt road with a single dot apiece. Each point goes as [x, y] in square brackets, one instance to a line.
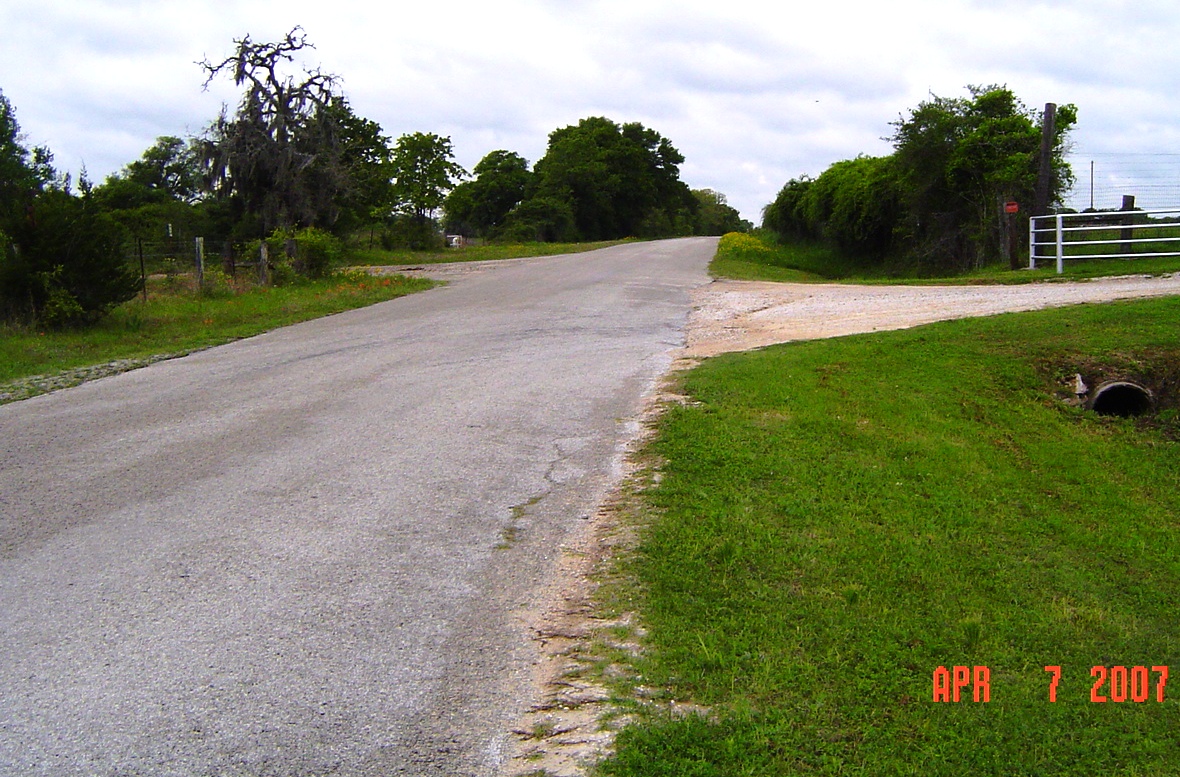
[300, 554]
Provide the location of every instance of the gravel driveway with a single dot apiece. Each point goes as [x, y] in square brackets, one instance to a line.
[741, 315]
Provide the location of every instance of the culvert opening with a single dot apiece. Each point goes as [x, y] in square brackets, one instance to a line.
[1121, 398]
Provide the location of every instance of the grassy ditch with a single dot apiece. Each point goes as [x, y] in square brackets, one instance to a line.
[175, 319]
[834, 520]
[750, 258]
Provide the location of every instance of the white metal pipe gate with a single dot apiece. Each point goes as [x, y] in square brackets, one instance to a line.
[1071, 230]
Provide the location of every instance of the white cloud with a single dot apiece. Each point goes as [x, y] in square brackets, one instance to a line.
[751, 94]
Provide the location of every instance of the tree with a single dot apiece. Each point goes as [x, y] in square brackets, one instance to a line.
[459, 211]
[367, 161]
[424, 171]
[61, 258]
[958, 159]
[854, 204]
[936, 202]
[72, 254]
[673, 210]
[481, 206]
[23, 176]
[24, 173]
[158, 197]
[786, 216]
[541, 219]
[156, 192]
[280, 153]
[715, 216]
[615, 179]
[169, 171]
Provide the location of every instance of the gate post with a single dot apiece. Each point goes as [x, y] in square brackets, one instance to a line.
[1032, 242]
[1060, 244]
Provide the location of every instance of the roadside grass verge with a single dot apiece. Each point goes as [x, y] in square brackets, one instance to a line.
[833, 520]
[377, 257]
[176, 320]
[750, 258]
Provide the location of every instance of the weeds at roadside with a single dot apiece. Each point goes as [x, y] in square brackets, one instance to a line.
[177, 319]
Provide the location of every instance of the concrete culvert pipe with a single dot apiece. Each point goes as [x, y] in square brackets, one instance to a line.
[1121, 398]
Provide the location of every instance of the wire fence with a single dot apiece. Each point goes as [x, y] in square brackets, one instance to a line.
[1102, 179]
[176, 255]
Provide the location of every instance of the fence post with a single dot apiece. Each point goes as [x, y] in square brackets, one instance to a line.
[263, 260]
[228, 263]
[142, 267]
[1032, 242]
[1125, 234]
[200, 245]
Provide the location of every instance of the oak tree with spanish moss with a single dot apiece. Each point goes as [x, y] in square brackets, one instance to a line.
[278, 156]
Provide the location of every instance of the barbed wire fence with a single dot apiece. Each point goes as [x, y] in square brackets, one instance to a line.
[1103, 179]
[176, 253]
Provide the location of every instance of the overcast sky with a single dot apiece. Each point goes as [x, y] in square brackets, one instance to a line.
[752, 97]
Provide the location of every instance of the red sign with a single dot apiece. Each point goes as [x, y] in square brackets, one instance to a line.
[1011, 207]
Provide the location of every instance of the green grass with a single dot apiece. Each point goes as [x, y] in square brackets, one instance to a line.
[1074, 270]
[377, 257]
[836, 519]
[748, 270]
[749, 258]
[817, 263]
[177, 320]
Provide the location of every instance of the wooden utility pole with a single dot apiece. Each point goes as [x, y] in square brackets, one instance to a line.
[1045, 168]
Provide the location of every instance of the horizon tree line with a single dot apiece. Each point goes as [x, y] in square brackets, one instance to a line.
[293, 161]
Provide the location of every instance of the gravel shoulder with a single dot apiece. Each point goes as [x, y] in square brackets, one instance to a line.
[743, 315]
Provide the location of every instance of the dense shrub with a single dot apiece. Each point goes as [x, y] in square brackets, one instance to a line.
[854, 205]
[317, 252]
[742, 246]
[935, 203]
[786, 216]
[541, 219]
[291, 254]
[413, 233]
[65, 263]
